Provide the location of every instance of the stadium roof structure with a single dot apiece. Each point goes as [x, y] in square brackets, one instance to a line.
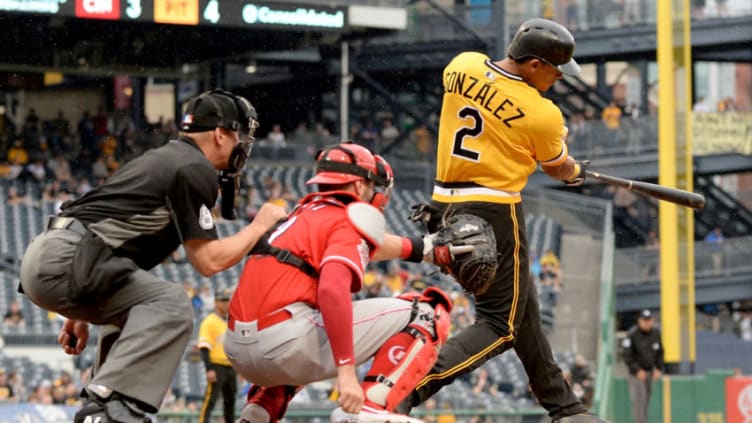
[166, 37]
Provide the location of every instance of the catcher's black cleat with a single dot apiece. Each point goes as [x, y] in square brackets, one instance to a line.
[115, 409]
[580, 418]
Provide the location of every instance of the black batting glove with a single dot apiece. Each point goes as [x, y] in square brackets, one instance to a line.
[580, 178]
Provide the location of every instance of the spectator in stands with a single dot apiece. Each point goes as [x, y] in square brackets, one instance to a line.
[91, 263]
[632, 13]
[220, 376]
[17, 154]
[698, 9]
[389, 133]
[430, 407]
[715, 239]
[482, 383]
[721, 8]
[38, 171]
[369, 136]
[571, 19]
[701, 106]
[551, 275]
[276, 139]
[395, 278]
[31, 123]
[85, 129]
[279, 195]
[446, 416]
[643, 354]
[207, 297]
[14, 316]
[652, 244]
[611, 117]
[60, 167]
[6, 391]
[14, 197]
[726, 105]
[16, 382]
[582, 380]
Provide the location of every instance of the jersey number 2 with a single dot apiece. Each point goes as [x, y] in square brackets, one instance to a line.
[472, 131]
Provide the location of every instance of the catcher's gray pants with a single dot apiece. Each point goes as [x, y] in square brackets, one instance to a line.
[297, 351]
[639, 392]
[155, 316]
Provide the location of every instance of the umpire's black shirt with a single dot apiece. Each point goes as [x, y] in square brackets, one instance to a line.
[153, 203]
[643, 350]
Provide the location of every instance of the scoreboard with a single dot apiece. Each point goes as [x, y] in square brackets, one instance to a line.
[229, 13]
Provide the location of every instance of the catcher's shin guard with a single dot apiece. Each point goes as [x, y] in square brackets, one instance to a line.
[408, 356]
[267, 402]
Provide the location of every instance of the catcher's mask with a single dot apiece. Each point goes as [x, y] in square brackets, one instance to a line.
[383, 192]
[223, 109]
[341, 164]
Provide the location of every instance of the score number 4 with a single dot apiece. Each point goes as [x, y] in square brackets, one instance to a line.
[211, 12]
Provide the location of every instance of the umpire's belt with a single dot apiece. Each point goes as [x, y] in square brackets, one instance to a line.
[69, 223]
[262, 323]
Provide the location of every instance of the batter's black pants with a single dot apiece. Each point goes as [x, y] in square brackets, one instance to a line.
[227, 385]
[507, 316]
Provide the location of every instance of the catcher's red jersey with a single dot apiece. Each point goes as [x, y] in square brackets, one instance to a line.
[319, 232]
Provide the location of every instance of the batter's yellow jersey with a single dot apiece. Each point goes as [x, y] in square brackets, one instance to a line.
[211, 335]
[494, 129]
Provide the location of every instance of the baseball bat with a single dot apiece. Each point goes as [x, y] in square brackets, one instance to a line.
[673, 195]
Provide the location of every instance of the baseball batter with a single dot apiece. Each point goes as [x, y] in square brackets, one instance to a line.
[495, 128]
[292, 320]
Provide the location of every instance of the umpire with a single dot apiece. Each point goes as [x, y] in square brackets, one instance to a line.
[90, 264]
[220, 376]
[643, 354]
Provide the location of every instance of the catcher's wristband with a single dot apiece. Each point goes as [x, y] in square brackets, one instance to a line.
[415, 246]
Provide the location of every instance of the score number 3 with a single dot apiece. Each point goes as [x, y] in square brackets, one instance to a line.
[472, 130]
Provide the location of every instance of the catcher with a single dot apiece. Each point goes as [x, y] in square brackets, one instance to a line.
[292, 320]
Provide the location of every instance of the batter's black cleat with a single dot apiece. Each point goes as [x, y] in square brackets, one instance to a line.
[114, 409]
[580, 418]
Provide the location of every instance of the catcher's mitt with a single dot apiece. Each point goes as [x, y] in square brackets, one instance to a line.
[475, 269]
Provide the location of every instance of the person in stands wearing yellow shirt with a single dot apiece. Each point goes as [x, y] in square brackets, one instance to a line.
[220, 376]
[495, 128]
[611, 118]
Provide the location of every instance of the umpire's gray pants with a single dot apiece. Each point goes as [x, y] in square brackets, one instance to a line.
[639, 391]
[155, 316]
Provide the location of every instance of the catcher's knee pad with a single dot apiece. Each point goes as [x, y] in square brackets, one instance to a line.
[418, 356]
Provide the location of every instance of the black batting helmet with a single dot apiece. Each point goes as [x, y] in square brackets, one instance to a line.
[545, 40]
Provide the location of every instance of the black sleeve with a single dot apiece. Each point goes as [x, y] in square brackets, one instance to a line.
[205, 358]
[659, 364]
[628, 352]
[192, 197]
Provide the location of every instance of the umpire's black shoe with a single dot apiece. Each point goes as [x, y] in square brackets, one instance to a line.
[115, 409]
[580, 418]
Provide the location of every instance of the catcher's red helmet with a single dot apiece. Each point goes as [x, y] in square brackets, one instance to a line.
[344, 163]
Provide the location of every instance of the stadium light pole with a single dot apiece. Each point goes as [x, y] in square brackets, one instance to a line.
[344, 90]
